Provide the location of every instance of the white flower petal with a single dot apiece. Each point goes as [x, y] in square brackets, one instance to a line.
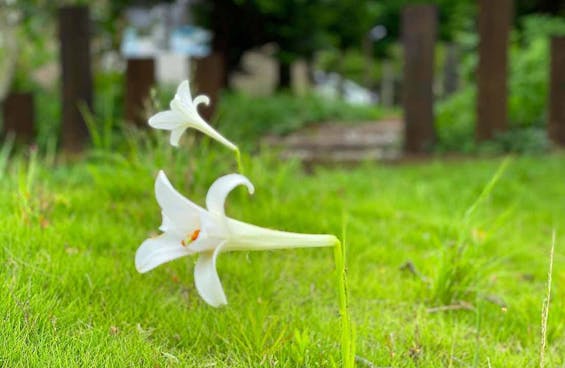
[220, 189]
[167, 120]
[156, 251]
[188, 112]
[167, 224]
[176, 134]
[206, 279]
[179, 211]
[201, 99]
[183, 93]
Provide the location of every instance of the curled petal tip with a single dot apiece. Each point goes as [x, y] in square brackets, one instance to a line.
[220, 189]
[250, 188]
[202, 99]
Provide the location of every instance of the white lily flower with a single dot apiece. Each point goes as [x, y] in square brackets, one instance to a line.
[189, 229]
[184, 114]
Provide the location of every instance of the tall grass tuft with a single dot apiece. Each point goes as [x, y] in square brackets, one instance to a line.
[5, 152]
[460, 270]
[100, 131]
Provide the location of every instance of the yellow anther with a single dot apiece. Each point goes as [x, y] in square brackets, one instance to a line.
[193, 236]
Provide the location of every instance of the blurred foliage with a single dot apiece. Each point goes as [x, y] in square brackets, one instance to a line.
[242, 118]
[352, 64]
[301, 28]
[528, 89]
[246, 119]
[25, 38]
[452, 17]
[108, 108]
[529, 69]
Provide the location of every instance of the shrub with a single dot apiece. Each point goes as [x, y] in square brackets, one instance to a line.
[528, 84]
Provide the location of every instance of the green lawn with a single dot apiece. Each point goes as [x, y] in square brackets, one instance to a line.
[70, 295]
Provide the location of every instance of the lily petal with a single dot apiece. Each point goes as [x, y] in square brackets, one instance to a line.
[178, 211]
[218, 192]
[176, 133]
[183, 93]
[167, 120]
[201, 99]
[168, 226]
[206, 279]
[188, 112]
[156, 251]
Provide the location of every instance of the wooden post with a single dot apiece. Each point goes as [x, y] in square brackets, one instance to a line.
[140, 78]
[208, 80]
[74, 35]
[419, 28]
[18, 113]
[556, 124]
[495, 19]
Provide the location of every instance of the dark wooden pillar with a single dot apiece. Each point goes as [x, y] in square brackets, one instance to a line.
[18, 114]
[74, 35]
[208, 75]
[495, 19]
[140, 78]
[419, 28]
[556, 124]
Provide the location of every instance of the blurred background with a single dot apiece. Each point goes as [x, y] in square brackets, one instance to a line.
[338, 80]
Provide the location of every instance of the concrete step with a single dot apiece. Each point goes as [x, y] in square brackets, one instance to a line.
[342, 142]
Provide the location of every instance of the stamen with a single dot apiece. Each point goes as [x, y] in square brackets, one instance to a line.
[193, 237]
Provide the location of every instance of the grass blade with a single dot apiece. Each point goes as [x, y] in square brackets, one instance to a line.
[545, 306]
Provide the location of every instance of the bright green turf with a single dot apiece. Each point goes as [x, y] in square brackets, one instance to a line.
[70, 295]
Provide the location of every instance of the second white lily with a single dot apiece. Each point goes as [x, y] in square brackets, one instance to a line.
[189, 229]
[184, 114]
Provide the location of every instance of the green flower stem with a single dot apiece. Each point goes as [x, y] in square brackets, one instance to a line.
[347, 329]
[239, 162]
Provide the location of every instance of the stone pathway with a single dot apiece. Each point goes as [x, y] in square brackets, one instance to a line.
[348, 143]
